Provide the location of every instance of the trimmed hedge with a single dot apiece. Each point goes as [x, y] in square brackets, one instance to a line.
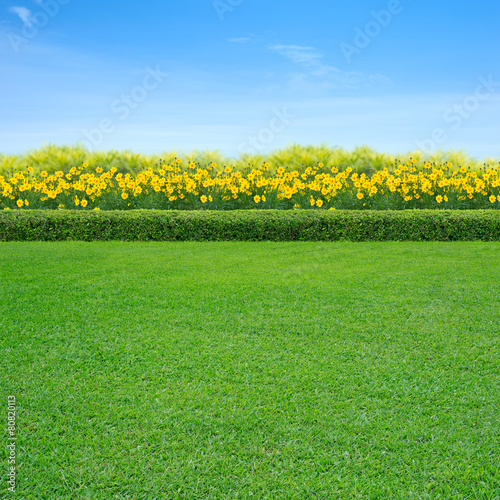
[254, 225]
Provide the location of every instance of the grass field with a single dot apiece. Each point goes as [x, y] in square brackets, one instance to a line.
[252, 370]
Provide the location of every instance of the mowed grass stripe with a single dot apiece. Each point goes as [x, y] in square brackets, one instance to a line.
[264, 370]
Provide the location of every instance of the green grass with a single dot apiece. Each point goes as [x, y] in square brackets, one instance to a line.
[252, 370]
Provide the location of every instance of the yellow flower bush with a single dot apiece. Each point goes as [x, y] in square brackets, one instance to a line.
[170, 186]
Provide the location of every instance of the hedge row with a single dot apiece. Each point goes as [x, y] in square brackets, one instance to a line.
[255, 225]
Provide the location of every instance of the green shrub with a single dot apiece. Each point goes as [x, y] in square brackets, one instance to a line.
[250, 225]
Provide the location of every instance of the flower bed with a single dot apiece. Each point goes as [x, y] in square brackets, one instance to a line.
[193, 187]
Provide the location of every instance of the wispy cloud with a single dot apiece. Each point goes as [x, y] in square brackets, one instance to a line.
[243, 39]
[327, 76]
[299, 54]
[24, 14]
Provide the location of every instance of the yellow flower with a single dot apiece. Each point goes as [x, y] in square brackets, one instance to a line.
[312, 201]
[263, 198]
[19, 203]
[210, 198]
[203, 199]
[124, 195]
[26, 202]
[89, 191]
[227, 170]
[43, 173]
[319, 203]
[360, 196]
[445, 198]
[77, 201]
[97, 208]
[320, 165]
[84, 203]
[439, 198]
[98, 170]
[59, 173]
[492, 199]
[85, 165]
[256, 198]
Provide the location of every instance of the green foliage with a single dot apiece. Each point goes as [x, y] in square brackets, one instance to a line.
[51, 157]
[250, 225]
[361, 159]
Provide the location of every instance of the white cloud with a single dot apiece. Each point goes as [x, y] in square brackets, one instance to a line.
[299, 54]
[24, 14]
[326, 76]
[243, 39]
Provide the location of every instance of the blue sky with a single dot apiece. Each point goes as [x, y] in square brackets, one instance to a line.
[250, 75]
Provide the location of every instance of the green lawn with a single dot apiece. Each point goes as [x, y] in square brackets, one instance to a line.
[252, 370]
